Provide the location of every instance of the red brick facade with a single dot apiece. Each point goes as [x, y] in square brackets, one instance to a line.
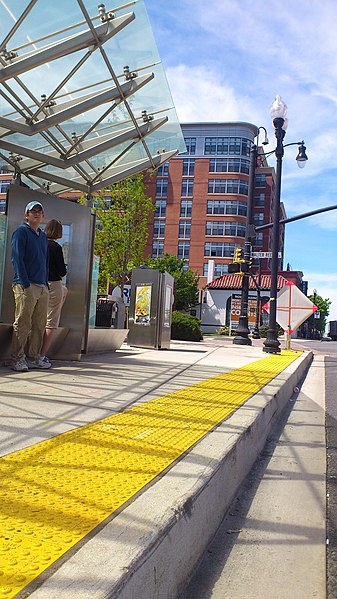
[169, 239]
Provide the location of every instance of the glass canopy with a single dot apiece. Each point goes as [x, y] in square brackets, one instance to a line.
[84, 100]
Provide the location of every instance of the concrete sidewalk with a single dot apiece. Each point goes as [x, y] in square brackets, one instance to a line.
[148, 549]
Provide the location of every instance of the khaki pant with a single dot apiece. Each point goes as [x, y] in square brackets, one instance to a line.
[31, 306]
[57, 296]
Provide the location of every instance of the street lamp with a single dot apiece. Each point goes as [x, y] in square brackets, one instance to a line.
[278, 112]
[242, 336]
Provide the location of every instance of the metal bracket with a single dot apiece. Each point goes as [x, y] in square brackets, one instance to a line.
[50, 103]
[146, 117]
[103, 15]
[129, 74]
[8, 55]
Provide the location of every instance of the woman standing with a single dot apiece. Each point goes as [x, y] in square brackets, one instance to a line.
[57, 291]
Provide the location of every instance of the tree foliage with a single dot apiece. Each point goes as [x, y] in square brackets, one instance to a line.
[186, 281]
[323, 305]
[122, 230]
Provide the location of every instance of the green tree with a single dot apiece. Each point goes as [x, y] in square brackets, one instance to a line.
[186, 281]
[122, 230]
[323, 305]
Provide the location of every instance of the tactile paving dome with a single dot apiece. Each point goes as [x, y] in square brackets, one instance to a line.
[54, 493]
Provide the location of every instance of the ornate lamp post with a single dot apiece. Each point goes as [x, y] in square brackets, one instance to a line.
[278, 112]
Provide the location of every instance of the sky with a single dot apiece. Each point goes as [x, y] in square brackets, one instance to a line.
[226, 60]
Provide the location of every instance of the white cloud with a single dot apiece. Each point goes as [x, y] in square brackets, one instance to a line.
[199, 95]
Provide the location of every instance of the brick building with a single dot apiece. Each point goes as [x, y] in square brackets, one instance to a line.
[201, 199]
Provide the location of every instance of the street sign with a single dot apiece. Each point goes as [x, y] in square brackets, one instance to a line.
[265, 254]
[292, 308]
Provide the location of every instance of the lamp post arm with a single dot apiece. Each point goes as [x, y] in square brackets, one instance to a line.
[294, 143]
[284, 221]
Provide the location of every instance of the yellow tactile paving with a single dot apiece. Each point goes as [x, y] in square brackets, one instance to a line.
[54, 493]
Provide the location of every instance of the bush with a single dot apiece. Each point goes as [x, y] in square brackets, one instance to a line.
[224, 331]
[264, 328]
[185, 327]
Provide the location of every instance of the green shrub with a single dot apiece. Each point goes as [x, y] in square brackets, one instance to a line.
[185, 327]
[264, 328]
[224, 331]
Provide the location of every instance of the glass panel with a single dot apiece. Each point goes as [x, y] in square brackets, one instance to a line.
[3, 229]
[132, 47]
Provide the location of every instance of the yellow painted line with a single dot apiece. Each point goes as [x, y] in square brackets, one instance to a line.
[54, 493]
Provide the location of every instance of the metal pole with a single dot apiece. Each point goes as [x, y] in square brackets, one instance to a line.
[313, 316]
[256, 332]
[242, 331]
[271, 343]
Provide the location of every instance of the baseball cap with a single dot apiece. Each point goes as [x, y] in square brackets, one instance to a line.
[32, 205]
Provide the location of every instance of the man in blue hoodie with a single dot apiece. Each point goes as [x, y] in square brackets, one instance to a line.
[30, 288]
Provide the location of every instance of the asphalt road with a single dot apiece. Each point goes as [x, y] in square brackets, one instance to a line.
[320, 347]
[266, 547]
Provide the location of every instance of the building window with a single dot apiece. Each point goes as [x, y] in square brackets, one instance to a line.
[227, 186]
[187, 187]
[232, 229]
[185, 229]
[183, 249]
[163, 170]
[228, 165]
[185, 208]
[260, 180]
[220, 249]
[258, 239]
[227, 145]
[4, 184]
[158, 228]
[227, 207]
[259, 199]
[157, 249]
[161, 188]
[258, 219]
[219, 269]
[160, 208]
[2, 206]
[190, 143]
[188, 167]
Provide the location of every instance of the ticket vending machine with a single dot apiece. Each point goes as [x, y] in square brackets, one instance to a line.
[150, 308]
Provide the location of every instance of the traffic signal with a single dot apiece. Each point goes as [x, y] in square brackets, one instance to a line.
[238, 257]
[238, 267]
[234, 267]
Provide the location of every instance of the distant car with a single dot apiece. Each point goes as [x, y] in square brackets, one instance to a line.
[326, 338]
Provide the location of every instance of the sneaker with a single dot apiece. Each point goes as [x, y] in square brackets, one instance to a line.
[38, 364]
[45, 359]
[20, 366]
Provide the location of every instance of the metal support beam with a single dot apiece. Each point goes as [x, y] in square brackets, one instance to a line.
[128, 170]
[90, 147]
[66, 46]
[59, 116]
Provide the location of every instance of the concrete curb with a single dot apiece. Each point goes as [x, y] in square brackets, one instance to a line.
[149, 550]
